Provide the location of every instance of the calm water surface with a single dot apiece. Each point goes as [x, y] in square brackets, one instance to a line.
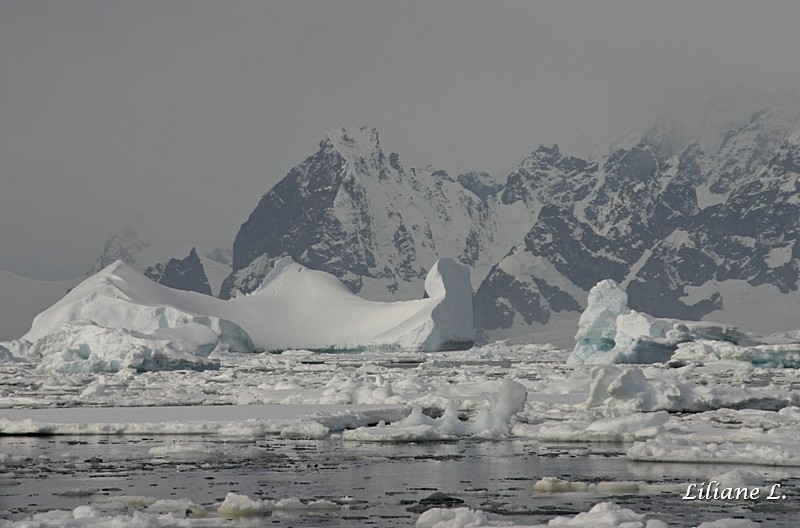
[386, 481]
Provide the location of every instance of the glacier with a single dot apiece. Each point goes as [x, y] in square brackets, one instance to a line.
[119, 318]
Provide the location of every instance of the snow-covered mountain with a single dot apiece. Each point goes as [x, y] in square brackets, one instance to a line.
[360, 214]
[187, 274]
[690, 235]
[696, 219]
[167, 258]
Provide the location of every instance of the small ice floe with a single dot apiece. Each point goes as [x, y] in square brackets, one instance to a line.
[613, 429]
[183, 452]
[237, 505]
[305, 429]
[494, 422]
[636, 389]
[777, 355]
[86, 516]
[605, 487]
[681, 449]
[603, 515]
[177, 507]
[454, 518]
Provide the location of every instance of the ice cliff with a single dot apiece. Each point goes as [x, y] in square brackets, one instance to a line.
[610, 332]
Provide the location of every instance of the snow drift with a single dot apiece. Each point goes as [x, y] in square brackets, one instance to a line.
[118, 318]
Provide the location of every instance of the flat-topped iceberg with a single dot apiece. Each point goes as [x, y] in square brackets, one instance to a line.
[119, 318]
[610, 332]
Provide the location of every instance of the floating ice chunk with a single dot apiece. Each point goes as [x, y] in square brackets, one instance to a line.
[305, 429]
[616, 429]
[359, 390]
[610, 332]
[557, 485]
[179, 507]
[629, 389]
[738, 478]
[295, 504]
[236, 505]
[603, 515]
[603, 487]
[182, 452]
[765, 355]
[494, 422]
[679, 449]
[635, 389]
[85, 512]
[453, 518]
[729, 523]
[608, 515]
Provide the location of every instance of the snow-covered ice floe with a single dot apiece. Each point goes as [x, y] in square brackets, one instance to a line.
[610, 332]
[602, 515]
[120, 319]
[765, 438]
[714, 413]
[239, 508]
[494, 422]
[773, 355]
[247, 421]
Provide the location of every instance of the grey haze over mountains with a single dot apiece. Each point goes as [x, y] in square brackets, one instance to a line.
[692, 224]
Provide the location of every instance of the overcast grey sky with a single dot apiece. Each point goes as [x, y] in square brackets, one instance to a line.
[187, 111]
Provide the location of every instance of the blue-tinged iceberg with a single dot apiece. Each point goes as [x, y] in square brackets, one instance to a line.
[610, 332]
[118, 318]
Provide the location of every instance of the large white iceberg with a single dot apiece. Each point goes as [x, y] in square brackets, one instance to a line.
[610, 332]
[296, 307]
[119, 318]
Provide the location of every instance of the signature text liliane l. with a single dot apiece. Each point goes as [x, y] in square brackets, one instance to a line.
[713, 490]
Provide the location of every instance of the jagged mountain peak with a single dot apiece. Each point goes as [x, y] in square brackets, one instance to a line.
[123, 245]
[480, 183]
[363, 138]
[548, 173]
[352, 211]
[186, 274]
[360, 147]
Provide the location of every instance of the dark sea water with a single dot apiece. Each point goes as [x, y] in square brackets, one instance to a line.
[385, 484]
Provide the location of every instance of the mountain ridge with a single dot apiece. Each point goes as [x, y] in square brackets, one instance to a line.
[661, 217]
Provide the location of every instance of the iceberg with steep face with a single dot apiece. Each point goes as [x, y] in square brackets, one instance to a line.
[119, 318]
[610, 332]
